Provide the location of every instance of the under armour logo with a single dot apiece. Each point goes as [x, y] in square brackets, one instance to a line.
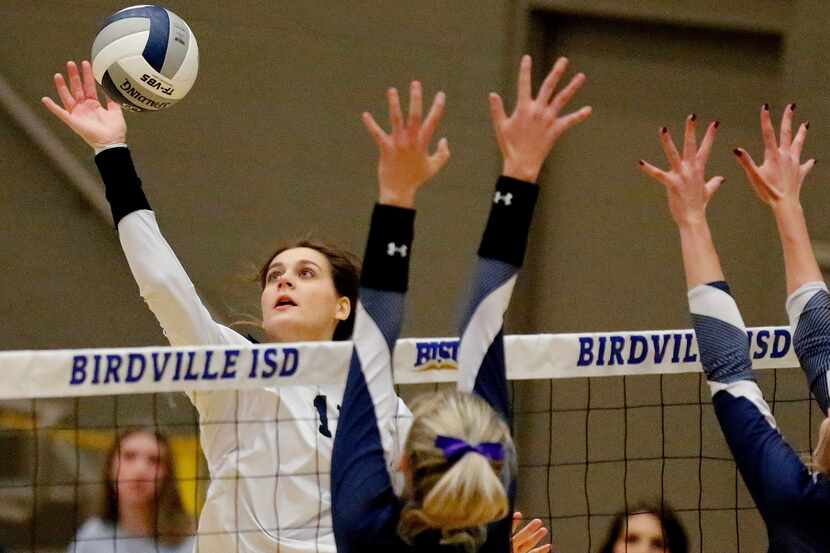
[506, 199]
[392, 249]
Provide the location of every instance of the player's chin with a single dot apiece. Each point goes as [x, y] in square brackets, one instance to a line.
[285, 326]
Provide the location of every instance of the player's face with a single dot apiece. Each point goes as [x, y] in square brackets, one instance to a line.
[643, 535]
[138, 470]
[299, 301]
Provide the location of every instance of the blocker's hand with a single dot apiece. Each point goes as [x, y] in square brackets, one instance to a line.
[526, 539]
[688, 190]
[528, 135]
[778, 180]
[99, 126]
[405, 162]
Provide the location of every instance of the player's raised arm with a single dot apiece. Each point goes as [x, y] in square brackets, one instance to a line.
[526, 138]
[364, 505]
[161, 279]
[778, 182]
[779, 482]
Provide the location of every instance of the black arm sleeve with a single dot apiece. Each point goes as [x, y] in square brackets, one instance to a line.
[123, 187]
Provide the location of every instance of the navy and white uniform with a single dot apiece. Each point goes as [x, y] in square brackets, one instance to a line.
[365, 506]
[793, 501]
[268, 450]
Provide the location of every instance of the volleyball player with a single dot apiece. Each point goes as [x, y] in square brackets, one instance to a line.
[793, 500]
[459, 459]
[268, 450]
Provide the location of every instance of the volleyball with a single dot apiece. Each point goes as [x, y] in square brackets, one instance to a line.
[145, 57]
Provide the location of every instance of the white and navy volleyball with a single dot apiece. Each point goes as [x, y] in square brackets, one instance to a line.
[145, 57]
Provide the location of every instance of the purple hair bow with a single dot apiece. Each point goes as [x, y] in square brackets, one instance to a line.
[455, 448]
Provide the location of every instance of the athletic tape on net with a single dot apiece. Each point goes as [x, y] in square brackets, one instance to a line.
[67, 373]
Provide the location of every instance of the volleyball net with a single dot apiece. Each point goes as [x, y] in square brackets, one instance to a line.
[604, 423]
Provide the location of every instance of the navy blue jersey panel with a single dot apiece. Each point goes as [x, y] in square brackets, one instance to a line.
[793, 502]
[364, 504]
[811, 341]
[123, 187]
[724, 350]
[491, 382]
[388, 249]
[505, 236]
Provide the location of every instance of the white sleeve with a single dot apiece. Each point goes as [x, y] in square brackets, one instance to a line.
[165, 286]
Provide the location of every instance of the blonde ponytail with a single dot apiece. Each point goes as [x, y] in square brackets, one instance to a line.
[456, 498]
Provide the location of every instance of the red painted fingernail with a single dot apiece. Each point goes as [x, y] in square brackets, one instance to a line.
[815, 162]
[693, 117]
[792, 106]
[737, 152]
[641, 162]
[664, 130]
[717, 124]
[766, 107]
[807, 125]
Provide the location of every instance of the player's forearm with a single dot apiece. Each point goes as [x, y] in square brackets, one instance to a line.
[383, 284]
[721, 335]
[700, 258]
[505, 234]
[501, 254]
[799, 259]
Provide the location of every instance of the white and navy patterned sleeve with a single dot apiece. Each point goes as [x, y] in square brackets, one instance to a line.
[481, 352]
[365, 508]
[773, 472]
[809, 312]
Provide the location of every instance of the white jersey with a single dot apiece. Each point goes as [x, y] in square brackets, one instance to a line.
[268, 450]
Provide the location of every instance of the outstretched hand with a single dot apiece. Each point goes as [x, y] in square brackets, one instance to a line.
[528, 135]
[526, 539]
[99, 126]
[688, 190]
[405, 162]
[778, 180]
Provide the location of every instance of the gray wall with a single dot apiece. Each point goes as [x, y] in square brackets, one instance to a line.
[269, 146]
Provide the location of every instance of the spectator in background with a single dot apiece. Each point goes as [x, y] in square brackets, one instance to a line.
[142, 510]
[646, 528]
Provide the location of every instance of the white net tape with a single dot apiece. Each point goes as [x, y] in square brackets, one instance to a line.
[65, 373]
